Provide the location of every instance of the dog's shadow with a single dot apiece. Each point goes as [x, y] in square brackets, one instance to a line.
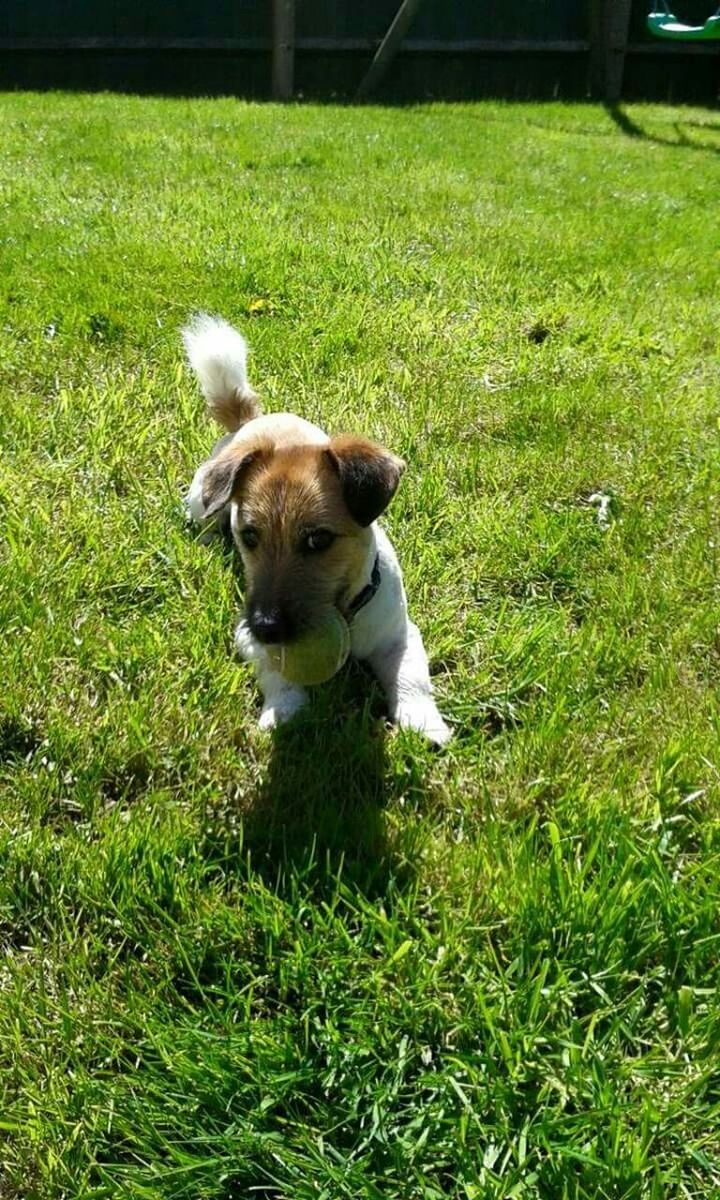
[321, 802]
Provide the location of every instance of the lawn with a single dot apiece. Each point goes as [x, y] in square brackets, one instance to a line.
[336, 964]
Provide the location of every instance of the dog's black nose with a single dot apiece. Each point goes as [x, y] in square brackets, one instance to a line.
[271, 626]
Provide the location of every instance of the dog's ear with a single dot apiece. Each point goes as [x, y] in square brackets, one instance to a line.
[225, 475]
[369, 476]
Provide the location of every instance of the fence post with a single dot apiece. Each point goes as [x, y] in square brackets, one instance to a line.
[283, 49]
[609, 24]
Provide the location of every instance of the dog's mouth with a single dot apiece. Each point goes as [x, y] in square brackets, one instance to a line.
[276, 626]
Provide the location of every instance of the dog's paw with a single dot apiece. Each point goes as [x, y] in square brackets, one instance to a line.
[208, 528]
[245, 644]
[421, 714]
[193, 501]
[282, 707]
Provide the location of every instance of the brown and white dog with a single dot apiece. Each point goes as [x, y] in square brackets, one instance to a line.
[303, 508]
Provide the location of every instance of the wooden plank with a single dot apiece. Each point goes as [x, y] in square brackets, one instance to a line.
[319, 44]
[494, 46]
[283, 49]
[342, 45]
[133, 43]
[453, 46]
[671, 49]
[388, 48]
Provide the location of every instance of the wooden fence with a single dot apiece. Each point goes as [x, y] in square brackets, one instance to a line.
[382, 49]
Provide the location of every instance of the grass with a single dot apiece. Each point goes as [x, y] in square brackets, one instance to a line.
[336, 964]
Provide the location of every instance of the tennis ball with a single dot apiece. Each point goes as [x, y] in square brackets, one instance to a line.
[315, 657]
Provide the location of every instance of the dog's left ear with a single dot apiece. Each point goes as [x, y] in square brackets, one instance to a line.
[224, 477]
[369, 476]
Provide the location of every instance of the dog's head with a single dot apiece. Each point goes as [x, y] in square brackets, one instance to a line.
[300, 516]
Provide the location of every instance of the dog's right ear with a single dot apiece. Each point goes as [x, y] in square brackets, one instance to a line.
[369, 476]
[224, 477]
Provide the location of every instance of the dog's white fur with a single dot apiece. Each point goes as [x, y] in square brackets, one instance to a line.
[217, 354]
[381, 633]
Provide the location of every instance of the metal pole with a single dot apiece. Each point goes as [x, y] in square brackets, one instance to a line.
[388, 47]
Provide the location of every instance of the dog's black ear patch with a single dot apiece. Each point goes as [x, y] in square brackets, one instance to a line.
[369, 476]
[222, 479]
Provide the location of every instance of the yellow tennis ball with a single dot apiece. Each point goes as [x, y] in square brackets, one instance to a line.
[317, 655]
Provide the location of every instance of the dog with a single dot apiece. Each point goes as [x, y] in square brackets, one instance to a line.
[303, 508]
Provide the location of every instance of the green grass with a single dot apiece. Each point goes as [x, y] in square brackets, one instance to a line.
[338, 964]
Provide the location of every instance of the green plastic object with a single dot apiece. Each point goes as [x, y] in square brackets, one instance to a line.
[665, 25]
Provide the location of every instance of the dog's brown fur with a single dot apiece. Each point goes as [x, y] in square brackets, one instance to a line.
[284, 498]
[285, 489]
[235, 410]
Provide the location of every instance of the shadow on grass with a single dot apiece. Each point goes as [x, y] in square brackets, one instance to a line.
[631, 129]
[320, 807]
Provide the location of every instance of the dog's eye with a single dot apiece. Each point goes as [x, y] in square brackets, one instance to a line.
[249, 537]
[317, 540]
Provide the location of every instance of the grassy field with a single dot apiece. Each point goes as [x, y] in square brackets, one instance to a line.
[336, 964]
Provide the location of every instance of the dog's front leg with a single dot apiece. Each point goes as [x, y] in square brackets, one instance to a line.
[281, 700]
[402, 668]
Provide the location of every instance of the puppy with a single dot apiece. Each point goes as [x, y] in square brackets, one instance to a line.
[302, 509]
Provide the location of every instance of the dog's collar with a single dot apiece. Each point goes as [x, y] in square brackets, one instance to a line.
[366, 594]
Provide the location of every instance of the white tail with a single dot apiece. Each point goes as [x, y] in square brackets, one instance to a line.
[217, 354]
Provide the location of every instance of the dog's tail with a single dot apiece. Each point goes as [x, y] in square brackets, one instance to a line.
[217, 354]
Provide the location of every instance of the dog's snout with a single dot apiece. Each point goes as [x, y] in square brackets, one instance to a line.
[271, 626]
